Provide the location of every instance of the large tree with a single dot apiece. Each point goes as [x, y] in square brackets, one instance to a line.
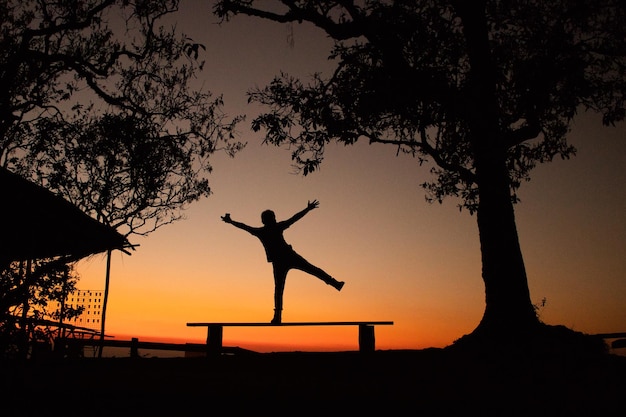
[483, 90]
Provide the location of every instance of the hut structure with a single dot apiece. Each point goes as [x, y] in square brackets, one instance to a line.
[37, 224]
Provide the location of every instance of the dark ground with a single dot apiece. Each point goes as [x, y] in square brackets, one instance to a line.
[431, 382]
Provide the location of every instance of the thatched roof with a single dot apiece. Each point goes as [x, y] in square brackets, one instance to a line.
[36, 224]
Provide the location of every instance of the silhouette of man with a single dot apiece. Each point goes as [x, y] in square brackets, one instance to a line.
[281, 255]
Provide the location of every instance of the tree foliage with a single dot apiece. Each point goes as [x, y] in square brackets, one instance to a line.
[407, 76]
[97, 104]
[31, 295]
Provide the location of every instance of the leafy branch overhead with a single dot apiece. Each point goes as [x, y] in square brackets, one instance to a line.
[408, 76]
[97, 103]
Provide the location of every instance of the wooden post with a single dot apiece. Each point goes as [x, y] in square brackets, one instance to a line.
[134, 347]
[104, 304]
[214, 339]
[367, 341]
[24, 335]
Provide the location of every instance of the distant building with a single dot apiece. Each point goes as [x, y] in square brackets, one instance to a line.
[92, 302]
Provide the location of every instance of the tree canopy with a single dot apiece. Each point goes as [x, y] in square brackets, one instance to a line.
[97, 104]
[482, 90]
[407, 76]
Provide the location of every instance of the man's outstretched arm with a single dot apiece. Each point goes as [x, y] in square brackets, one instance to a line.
[310, 206]
[226, 218]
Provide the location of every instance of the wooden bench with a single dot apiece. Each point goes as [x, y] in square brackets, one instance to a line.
[619, 343]
[367, 340]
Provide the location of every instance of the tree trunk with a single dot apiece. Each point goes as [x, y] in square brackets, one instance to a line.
[508, 308]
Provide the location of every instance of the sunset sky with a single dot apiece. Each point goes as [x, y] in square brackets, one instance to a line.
[402, 259]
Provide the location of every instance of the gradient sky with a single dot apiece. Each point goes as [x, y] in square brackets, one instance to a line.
[402, 259]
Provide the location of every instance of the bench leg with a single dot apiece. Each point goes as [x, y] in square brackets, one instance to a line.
[214, 340]
[367, 341]
[134, 349]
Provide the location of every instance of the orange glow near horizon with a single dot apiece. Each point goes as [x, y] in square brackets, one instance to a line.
[402, 259]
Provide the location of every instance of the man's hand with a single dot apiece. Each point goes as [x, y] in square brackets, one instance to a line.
[313, 204]
[226, 218]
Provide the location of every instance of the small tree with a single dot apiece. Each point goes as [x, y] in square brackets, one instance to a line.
[483, 89]
[31, 294]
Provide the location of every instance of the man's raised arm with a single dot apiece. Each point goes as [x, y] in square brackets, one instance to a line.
[310, 206]
[226, 218]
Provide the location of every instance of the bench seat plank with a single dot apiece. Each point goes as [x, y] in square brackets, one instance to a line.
[295, 323]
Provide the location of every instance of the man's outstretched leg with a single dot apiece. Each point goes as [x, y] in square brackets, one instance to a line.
[305, 266]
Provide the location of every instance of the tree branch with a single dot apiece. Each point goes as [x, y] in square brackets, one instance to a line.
[339, 31]
[518, 136]
[72, 25]
[423, 146]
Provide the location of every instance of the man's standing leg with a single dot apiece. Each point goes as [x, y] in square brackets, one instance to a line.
[280, 276]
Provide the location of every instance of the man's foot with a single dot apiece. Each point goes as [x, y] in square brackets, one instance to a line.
[277, 317]
[339, 285]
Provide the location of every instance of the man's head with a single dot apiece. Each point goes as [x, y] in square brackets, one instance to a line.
[268, 217]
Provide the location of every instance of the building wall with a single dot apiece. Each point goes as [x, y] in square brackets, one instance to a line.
[92, 301]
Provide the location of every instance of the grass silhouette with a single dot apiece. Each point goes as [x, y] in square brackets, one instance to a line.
[442, 382]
